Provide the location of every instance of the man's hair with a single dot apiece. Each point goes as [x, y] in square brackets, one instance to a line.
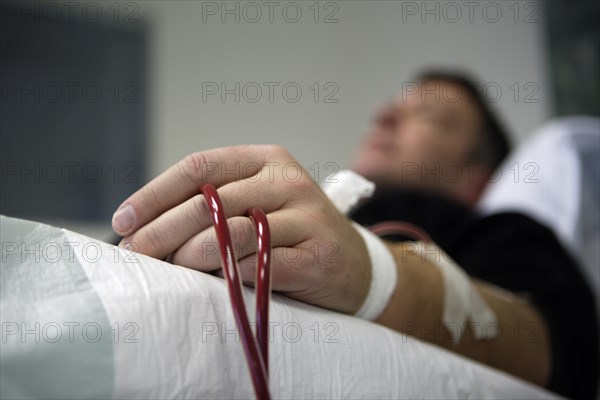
[493, 144]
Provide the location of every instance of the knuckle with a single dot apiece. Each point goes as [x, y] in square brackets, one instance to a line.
[248, 268]
[153, 192]
[197, 210]
[207, 253]
[154, 237]
[240, 229]
[193, 166]
[278, 150]
[306, 184]
[302, 189]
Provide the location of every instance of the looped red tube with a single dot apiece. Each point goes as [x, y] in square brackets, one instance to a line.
[257, 360]
[400, 228]
[263, 281]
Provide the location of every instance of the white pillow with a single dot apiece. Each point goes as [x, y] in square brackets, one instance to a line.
[554, 177]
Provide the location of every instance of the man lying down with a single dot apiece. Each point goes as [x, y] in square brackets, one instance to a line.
[499, 289]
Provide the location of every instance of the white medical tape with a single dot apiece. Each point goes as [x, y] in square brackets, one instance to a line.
[344, 190]
[462, 301]
[384, 275]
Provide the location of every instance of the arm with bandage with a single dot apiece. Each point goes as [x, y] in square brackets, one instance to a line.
[418, 289]
[436, 301]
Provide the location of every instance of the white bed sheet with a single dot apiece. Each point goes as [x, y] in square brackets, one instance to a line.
[181, 341]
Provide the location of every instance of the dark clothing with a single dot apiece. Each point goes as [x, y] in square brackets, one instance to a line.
[516, 253]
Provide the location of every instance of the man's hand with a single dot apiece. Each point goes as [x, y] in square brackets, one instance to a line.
[318, 257]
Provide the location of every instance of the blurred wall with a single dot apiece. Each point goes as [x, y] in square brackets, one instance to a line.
[345, 57]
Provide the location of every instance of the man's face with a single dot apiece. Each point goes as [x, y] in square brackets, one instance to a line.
[432, 128]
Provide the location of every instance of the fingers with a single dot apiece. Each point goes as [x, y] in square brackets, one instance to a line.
[202, 251]
[172, 229]
[307, 270]
[183, 180]
[295, 272]
[290, 268]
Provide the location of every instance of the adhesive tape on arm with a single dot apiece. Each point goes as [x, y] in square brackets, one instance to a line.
[345, 191]
[462, 301]
[383, 276]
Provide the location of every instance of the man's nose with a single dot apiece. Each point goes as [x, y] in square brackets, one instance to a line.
[386, 118]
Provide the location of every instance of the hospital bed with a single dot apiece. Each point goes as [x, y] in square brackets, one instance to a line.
[84, 319]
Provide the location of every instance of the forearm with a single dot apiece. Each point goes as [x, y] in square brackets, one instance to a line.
[521, 346]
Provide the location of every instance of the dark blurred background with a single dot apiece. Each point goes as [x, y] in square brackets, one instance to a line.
[573, 34]
[73, 117]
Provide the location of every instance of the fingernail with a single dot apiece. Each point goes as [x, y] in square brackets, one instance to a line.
[125, 244]
[123, 219]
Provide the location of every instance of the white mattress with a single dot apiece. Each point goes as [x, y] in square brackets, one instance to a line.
[180, 341]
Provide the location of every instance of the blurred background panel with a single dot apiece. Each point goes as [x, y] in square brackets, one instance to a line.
[184, 76]
[73, 118]
[573, 33]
